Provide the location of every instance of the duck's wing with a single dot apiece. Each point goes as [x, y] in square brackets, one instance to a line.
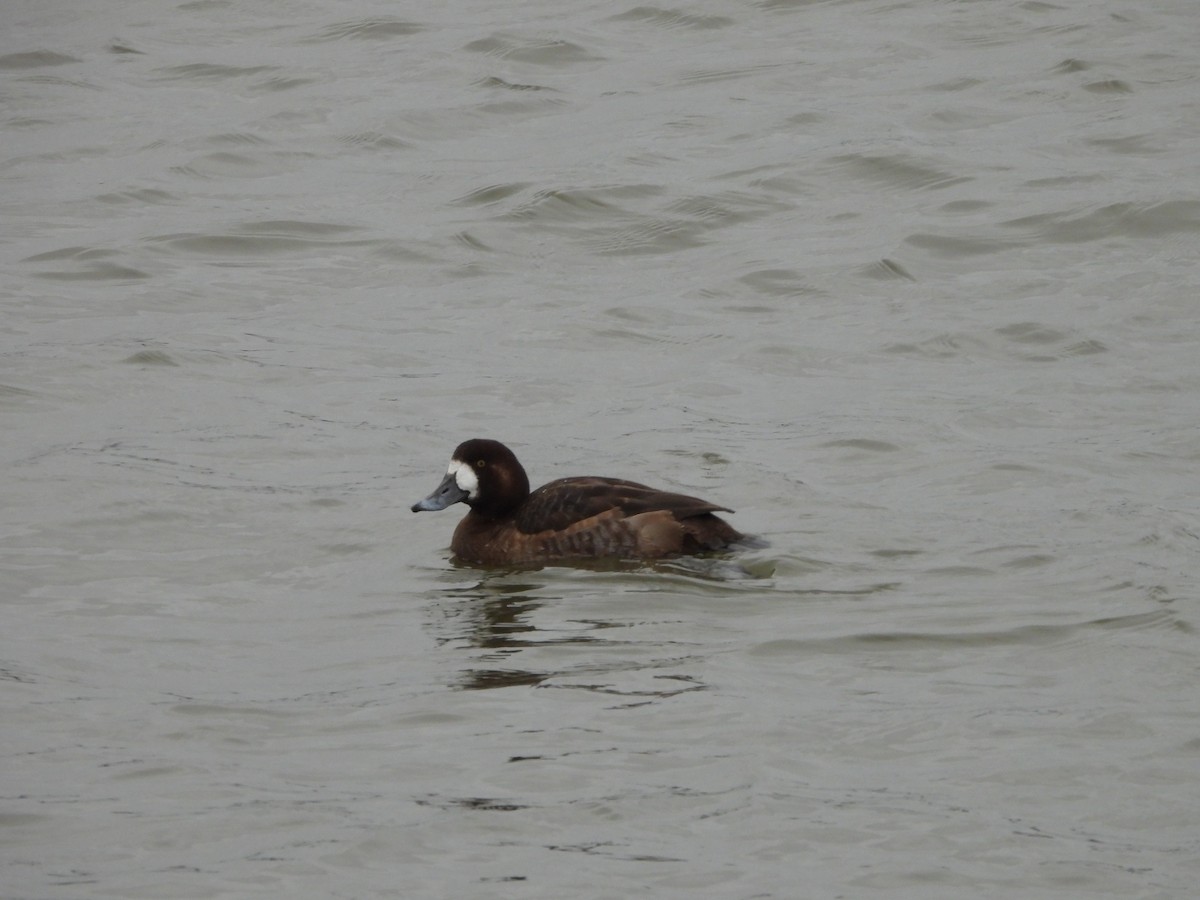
[568, 501]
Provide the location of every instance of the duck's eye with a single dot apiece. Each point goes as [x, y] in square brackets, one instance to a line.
[479, 463]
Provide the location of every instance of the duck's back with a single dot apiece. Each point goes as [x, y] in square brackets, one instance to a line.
[566, 502]
[593, 517]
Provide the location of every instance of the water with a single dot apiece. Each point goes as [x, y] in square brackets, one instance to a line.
[909, 285]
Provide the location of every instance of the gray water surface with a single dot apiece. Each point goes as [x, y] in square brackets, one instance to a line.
[911, 285]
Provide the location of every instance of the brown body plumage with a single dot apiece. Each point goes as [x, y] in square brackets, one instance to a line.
[571, 518]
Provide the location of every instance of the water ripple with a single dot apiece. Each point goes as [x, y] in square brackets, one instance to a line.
[368, 30]
[671, 18]
[492, 81]
[493, 193]
[88, 264]
[266, 238]
[611, 220]
[35, 59]
[274, 80]
[229, 165]
[1023, 635]
[210, 72]
[898, 171]
[539, 51]
[1015, 340]
[1135, 220]
[957, 246]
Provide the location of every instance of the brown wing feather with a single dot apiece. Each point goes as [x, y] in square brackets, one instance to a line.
[568, 501]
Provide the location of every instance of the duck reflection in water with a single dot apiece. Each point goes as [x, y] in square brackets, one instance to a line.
[493, 621]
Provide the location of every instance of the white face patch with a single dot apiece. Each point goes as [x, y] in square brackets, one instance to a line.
[464, 477]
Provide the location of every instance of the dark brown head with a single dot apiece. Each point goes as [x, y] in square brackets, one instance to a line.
[483, 474]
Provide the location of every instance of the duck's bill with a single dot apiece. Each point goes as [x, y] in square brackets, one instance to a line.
[446, 494]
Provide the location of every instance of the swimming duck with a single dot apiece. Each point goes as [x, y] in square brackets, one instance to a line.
[571, 518]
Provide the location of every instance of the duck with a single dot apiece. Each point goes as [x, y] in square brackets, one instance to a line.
[578, 518]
